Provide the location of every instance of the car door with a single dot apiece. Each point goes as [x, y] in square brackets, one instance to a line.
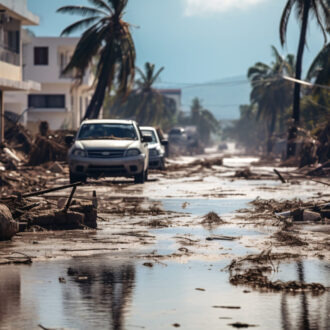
[144, 148]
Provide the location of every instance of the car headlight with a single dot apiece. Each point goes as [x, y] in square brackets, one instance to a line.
[79, 153]
[132, 152]
[153, 152]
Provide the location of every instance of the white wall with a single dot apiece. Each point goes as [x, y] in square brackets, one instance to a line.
[52, 82]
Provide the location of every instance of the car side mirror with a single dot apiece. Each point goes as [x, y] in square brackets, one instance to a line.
[68, 139]
[164, 143]
[146, 138]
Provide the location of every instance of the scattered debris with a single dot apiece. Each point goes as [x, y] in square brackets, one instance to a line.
[148, 264]
[241, 325]
[241, 273]
[289, 238]
[221, 238]
[200, 289]
[227, 307]
[62, 280]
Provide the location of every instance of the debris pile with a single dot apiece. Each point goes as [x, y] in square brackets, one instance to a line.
[32, 212]
[47, 147]
[204, 162]
[212, 219]
[249, 271]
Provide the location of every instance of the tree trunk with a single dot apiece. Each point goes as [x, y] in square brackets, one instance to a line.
[291, 149]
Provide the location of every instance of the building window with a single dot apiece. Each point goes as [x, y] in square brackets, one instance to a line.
[40, 55]
[46, 101]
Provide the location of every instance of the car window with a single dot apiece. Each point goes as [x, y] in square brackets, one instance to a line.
[107, 131]
[150, 133]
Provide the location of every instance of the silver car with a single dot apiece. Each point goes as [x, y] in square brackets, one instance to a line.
[109, 148]
[156, 149]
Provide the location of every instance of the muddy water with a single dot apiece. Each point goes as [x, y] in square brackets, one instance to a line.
[116, 291]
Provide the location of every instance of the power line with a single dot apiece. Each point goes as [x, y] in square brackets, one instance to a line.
[306, 83]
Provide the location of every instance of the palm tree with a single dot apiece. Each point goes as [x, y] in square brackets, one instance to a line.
[270, 92]
[204, 120]
[145, 104]
[107, 37]
[320, 68]
[320, 9]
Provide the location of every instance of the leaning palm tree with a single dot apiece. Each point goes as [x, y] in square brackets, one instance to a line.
[146, 104]
[305, 8]
[107, 37]
[270, 92]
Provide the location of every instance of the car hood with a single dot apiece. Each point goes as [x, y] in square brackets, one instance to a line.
[106, 144]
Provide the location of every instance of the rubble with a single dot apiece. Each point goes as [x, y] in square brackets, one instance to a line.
[8, 226]
[212, 219]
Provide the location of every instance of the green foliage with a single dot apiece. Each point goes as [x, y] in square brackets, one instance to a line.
[304, 9]
[145, 104]
[271, 94]
[107, 37]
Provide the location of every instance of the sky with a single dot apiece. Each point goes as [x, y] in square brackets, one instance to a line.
[199, 42]
[196, 40]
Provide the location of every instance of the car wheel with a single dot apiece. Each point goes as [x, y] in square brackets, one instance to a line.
[146, 175]
[77, 178]
[140, 178]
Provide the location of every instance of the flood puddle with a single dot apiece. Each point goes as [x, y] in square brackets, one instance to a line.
[117, 292]
[125, 295]
[204, 206]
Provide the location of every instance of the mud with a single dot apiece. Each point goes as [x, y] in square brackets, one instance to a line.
[181, 232]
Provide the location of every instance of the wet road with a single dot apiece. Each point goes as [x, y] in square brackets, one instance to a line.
[136, 276]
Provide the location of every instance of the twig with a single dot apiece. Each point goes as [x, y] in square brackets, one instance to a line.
[279, 175]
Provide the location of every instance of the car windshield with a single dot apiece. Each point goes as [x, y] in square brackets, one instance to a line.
[150, 133]
[107, 131]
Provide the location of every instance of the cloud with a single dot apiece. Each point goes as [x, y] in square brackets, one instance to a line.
[198, 7]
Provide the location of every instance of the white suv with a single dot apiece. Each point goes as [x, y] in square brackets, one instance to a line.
[109, 148]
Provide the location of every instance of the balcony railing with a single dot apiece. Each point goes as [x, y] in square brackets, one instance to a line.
[9, 56]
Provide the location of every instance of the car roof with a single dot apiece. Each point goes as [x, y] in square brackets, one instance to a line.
[147, 128]
[108, 121]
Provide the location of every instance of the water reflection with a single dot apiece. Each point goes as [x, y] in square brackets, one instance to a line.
[10, 294]
[310, 312]
[105, 290]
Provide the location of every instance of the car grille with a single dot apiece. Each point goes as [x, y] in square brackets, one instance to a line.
[106, 153]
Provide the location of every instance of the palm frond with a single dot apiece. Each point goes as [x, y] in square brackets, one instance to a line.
[86, 48]
[157, 75]
[319, 17]
[319, 62]
[80, 10]
[141, 73]
[102, 5]
[86, 22]
[284, 20]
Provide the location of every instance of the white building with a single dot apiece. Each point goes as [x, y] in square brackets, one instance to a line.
[13, 15]
[61, 102]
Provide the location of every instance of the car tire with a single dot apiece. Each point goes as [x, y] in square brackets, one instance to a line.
[140, 178]
[146, 175]
[77, 178]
